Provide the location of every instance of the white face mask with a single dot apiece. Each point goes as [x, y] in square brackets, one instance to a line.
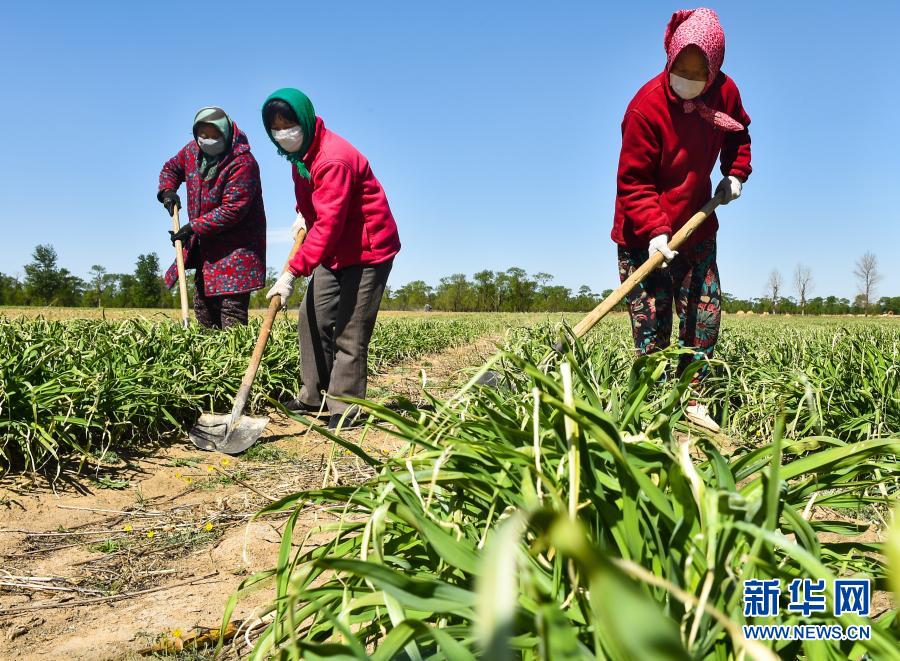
[686, 89]
[290, 140]
[211, 146]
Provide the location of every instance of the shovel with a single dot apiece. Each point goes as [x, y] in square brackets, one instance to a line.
[491, 378]
[232, 434]
[179, 264]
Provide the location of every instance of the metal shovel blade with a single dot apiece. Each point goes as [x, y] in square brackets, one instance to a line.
[490, 379]
[215, 432]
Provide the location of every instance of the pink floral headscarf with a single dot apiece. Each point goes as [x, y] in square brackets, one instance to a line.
[701, 28]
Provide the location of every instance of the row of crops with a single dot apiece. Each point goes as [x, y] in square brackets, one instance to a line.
[85, 388]
[571, 514]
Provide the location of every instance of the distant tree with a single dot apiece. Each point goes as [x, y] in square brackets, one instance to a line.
[867, 277]
[542, 279]
[10, 290]
[586, 300]
[889, 304]
[485, 291]
[100, 283]
[788, 305]
[124, 290]
[147, 288]
[773, 289]
[413, 295]
[815, 305]
[521, 289]
[454, 293]
[47, 283]
[836, 305]
[804, 283]
[734, 304]
[554, 298]
[501, 291]
[42, 276]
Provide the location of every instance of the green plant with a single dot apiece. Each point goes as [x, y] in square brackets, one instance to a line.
[570, 515]
[95, 388]
[266, 453]
[108, 546]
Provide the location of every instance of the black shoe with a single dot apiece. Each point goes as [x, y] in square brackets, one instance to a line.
[345, 422]
[301, 407]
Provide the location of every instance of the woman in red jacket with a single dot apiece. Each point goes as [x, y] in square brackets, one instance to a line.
[349, 249]
[674, 130]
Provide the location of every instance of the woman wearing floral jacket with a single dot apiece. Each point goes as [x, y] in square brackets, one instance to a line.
[225, 236]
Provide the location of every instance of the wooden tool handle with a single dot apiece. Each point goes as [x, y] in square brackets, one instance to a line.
[274, 306]
[179, 264]
[645, 269]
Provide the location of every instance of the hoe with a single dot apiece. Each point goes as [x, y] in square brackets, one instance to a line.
[491, 378]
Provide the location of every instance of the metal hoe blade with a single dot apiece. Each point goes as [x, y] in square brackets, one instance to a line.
[216, 433]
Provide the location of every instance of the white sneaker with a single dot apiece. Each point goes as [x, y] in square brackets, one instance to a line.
[699, 415]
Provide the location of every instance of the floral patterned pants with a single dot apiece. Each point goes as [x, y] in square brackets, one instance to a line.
[219, 311]
[692, 282]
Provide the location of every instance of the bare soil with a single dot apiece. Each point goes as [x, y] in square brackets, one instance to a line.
[115, 563]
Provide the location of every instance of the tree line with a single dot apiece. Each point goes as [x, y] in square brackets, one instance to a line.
[47, 283]
[512, 290]
[866, 301]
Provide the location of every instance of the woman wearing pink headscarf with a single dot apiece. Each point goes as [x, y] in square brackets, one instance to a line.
[674, 130]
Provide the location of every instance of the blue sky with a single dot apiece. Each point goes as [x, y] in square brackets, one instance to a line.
[494, 127]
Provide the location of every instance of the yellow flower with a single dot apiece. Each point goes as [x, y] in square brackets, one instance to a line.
[176, 633]
[210, 468]
[208, 526]
[178, 475]
[127, 527]
[150, 534]
[224, 461]
[188, 479]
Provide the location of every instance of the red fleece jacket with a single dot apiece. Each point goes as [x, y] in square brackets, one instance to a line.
[347, 215]
[667, 158]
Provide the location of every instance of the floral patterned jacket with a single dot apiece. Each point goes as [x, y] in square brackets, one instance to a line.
[227, 214]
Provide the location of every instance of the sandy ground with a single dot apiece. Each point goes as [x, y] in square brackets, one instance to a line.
[171, 536]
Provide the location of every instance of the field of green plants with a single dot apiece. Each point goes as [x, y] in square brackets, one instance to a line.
[572, 514]
[80, 389]
[569, 513]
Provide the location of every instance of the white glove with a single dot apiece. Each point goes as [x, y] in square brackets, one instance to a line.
[661, 244]
[283, 287]
[298, 225]
[730, 187]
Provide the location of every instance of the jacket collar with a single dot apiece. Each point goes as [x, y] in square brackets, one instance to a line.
[313, 150]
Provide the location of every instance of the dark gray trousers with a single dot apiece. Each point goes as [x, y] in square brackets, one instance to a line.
[337, 317]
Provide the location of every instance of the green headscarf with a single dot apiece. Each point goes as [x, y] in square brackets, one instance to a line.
[306, 115]
[209, 165]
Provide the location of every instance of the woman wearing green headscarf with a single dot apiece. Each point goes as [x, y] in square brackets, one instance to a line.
[349, 249]
[225, 236]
